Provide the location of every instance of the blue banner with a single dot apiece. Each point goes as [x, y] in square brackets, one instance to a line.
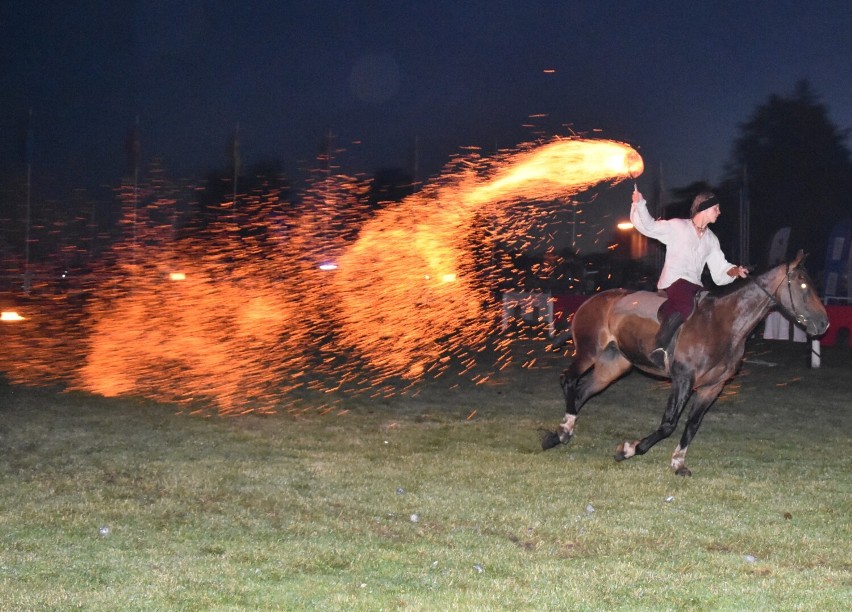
[838, 260]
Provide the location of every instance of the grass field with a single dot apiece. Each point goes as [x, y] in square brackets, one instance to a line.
[437, 500]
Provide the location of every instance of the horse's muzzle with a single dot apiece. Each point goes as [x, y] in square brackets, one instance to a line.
[816, 327]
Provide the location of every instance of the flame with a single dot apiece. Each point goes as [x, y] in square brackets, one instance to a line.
[564, 165]
[392, 311]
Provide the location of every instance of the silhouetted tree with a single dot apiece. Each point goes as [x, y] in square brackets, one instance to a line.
[797, 173]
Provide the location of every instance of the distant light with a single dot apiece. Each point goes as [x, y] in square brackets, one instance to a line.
[549, 71]
[448, 278]
[176, 276]
[10, 316]
[625, 225]
[329, 265]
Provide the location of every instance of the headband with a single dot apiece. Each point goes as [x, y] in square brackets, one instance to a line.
[708, 203]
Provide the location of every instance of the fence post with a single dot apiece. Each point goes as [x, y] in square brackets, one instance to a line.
[815, 353]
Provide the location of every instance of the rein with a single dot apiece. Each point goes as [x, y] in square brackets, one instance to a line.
[790, 312]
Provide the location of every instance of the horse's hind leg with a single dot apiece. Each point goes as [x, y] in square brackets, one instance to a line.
[578, 385]
[569, 380]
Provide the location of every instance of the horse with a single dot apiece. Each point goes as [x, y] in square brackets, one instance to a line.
[614, 331]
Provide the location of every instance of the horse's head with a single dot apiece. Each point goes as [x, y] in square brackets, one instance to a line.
[797, 297]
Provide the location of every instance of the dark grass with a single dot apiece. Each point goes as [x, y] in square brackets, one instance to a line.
[315, 510]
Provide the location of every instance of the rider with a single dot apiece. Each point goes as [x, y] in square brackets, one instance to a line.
[690, 245]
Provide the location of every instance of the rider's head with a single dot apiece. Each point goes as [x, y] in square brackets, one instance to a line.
[705, 201]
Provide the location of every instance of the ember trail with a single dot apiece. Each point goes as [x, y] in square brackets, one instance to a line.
[239, 319]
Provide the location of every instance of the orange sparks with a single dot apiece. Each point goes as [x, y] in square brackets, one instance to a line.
[340, 298]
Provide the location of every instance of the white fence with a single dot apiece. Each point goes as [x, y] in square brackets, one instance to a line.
[529, 306]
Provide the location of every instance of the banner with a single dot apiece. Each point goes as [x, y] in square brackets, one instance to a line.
[838, 261]
[778, 247]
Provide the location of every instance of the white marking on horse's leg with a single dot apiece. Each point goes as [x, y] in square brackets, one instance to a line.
[679, 460]
[625, 450]
[566, 427]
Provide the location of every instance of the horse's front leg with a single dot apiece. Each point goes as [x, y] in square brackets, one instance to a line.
[681, 390]
[704, 399]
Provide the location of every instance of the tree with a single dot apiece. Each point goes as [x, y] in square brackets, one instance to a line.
[795, 168]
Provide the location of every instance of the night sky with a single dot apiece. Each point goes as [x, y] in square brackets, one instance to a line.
[385, 79]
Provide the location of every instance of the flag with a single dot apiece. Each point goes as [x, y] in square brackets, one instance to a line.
[778, 246]
[838, 261]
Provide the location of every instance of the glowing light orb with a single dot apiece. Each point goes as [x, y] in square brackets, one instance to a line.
[10, 316]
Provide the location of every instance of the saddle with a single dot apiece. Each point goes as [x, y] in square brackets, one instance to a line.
[647, 304]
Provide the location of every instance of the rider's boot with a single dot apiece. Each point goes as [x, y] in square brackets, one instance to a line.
[660, 355]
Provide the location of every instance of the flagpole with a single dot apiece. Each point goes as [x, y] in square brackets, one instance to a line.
[135, 191]
[236, 154]
[29, 145]
[745, 211]
[416, 158]
[658, 253]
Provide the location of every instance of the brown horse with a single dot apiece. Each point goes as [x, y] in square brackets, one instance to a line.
[615, 330]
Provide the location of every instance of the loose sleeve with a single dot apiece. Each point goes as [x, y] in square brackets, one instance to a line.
[646, 225]
[718, 265]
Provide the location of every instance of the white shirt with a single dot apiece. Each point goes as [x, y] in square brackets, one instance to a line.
[686, 252]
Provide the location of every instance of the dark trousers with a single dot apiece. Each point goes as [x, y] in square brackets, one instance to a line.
[680, 297]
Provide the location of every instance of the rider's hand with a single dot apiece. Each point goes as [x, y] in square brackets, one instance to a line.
[738, 271]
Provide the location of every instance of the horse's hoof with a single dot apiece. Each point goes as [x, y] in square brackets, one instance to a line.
[683, 471]
[625, 450]
[549, 439]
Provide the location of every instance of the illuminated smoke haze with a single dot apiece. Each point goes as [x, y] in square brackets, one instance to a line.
[243, 319]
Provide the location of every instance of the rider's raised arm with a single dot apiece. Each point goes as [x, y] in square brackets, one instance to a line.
[643, 221]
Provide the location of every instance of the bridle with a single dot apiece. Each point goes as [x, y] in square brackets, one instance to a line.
[790, 312]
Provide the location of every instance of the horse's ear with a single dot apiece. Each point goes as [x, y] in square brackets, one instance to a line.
[800, 257]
